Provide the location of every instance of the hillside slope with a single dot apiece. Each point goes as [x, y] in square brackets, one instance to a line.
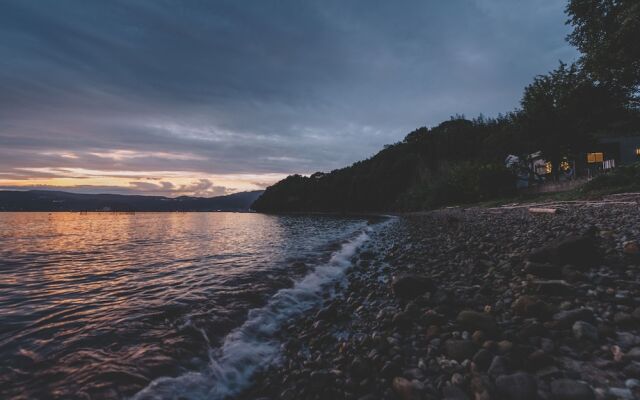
[459, 160]
[45, 200]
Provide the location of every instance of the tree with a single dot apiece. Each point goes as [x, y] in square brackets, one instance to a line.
[563, 109]
[607, 33]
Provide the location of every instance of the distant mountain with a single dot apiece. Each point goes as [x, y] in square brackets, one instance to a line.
[46, 200]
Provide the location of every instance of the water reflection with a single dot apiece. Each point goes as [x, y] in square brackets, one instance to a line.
[97, 305]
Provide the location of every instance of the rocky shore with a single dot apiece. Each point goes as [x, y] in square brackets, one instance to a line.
[477, 304]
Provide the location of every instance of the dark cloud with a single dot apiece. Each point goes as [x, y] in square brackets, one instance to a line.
[227, 87]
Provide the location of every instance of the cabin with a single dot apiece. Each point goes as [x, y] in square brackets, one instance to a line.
[534, 172]
[626, 148]
[608, 153]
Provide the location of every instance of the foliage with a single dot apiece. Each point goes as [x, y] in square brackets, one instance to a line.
[461, 160]
[607, 34]
[626, 178]
[470, 182]
[563, 109]
[457, 154]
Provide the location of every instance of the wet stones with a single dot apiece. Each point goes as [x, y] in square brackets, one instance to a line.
[545, 319]
[328, 313]
[569, 389]
[408, 286]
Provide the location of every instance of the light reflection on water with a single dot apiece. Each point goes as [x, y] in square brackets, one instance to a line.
[97, 305]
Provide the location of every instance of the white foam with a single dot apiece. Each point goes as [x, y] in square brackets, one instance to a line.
[253, 345]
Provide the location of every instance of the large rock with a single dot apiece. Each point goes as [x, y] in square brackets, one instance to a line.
[459, 350]
[578, 250]
[328, 313]
[553, 287]
[543, 270]
[454, 393]
[568, 389]
[409, 286]
[518, 386]
[499, 366]
[406, 389]
[359, 368]
[482, 360]
[402, 320]
[584, 330]
[473, 320]
[566, 319]
[531, 306]
[631, 247]
[320, 379]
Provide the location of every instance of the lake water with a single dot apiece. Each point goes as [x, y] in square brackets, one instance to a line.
[156, 305]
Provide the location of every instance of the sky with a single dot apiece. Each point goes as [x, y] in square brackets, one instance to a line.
[213, 97]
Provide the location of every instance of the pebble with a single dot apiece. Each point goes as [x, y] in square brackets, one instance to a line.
[474, 304]
[631, 247]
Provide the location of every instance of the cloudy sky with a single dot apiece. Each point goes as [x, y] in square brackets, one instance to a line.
[212, 97]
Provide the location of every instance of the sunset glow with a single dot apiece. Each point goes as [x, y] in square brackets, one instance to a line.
[165, 183]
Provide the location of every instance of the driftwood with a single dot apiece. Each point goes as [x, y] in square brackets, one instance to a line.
[540, 210]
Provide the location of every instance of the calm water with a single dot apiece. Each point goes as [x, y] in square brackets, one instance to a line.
[156, 305]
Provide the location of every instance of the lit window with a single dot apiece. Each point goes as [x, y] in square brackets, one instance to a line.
[548, 167]
[565, 166]
[595, 157]
[638, 151]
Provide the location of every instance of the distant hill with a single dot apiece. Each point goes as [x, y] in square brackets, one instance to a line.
[457, 161]
[46, 200]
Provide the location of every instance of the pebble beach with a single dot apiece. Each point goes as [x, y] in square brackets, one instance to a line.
[477, 303]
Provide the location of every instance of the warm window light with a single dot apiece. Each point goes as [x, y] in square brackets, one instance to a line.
[595, 158]
[565, 166]
[548, 167]
[638, 151]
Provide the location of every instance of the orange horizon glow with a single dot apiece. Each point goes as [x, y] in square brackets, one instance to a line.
[167, 183]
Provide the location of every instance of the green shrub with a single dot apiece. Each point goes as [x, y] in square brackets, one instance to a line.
[621, 179]
[469, 182]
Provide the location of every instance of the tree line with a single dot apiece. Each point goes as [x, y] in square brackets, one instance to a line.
[462, 160]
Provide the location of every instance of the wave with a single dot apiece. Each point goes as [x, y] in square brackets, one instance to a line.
[253, 345]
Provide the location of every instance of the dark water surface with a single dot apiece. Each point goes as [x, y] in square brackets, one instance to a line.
[104, 305]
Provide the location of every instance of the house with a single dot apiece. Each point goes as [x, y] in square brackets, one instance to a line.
[608, 153]
[529, 169]
[603, 155]
[625, 148]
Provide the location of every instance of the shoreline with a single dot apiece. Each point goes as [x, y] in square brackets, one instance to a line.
[451, 304]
